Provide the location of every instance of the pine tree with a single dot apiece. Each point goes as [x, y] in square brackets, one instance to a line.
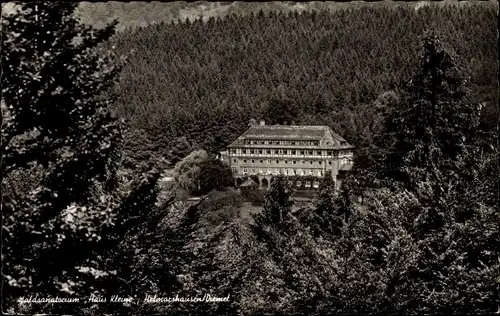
[326, 194]
[430, 197]
[434, 126]
[324, 217]
[55, 118]
[277, 204]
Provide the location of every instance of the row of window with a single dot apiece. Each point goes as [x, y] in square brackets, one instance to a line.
[277, 171]
[284, 142]
[281, 142]
[287, 152]
[261, 161]
[343, 161]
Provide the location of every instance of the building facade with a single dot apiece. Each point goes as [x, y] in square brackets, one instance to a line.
[302, 152]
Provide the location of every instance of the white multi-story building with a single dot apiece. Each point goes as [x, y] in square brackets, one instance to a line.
[264, 151]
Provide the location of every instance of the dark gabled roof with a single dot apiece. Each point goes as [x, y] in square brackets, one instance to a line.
[285, 132]
[292, 132]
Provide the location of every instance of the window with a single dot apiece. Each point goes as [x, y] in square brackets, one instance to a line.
[261, 161]
[303, 161]
[234, 169]
[234, 160]
[294, 172]
[293, 152]
[294, 162]
[244, 151]
[311, 172]
[299, 183]
[286, 162]
[301, 152]
[245, 170]
[253, 170]
[244, 160]
[319, 152]
[308, 184]
[251, 142]
[253, 161]
[329, 162]
[261, 170]
[276, 151]
[293, 142]
[316, 184]
[251, 151]
[319, 162]
[260, 151]
[268, 160]
[277, 161]
[268, 151]
[320, 173]
[343, 143]
[329, 152]
[310, 152]
[311, 162]
[233, 151]
[266, 142]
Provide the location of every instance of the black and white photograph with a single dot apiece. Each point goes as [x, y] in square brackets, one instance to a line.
[250, 158]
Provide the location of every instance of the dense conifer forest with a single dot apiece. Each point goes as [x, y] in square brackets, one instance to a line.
[96, 206]
[196, 84]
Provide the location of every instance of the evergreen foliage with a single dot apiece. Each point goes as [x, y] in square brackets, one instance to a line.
[55, 118]
[429, 195]
[61, 224]
[325, 196]
[414, 228]
[196, 85]
[324, 219]
[277, 203]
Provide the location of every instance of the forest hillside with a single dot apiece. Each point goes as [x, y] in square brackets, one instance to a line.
[138, 14]
[195, 85]
[99, 205]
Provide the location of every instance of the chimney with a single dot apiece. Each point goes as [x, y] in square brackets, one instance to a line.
[262, 122]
